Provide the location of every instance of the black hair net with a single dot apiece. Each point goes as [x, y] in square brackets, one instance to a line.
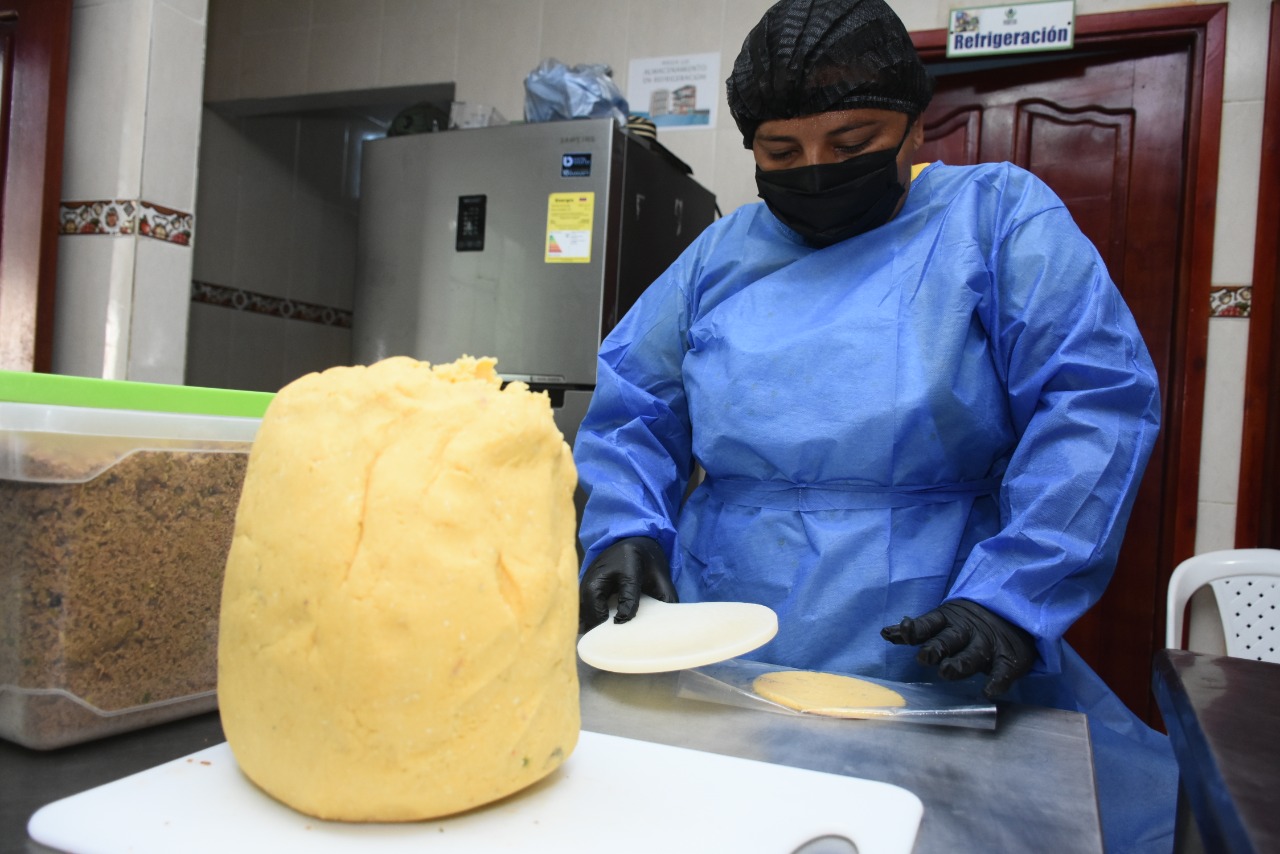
[813, 56]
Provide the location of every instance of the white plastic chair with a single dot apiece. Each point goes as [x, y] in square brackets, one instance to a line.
[1246, 583]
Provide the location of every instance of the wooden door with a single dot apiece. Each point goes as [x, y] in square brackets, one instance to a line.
[1107, 129]
[1258, 502]
[34, 51]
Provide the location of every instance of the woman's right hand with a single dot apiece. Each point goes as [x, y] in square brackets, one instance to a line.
[627, 568]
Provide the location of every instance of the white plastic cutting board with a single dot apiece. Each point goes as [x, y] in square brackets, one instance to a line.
[666, 636]
[613, 794]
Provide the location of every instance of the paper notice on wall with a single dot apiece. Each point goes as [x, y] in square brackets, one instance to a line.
[676, 92]
[570, 217]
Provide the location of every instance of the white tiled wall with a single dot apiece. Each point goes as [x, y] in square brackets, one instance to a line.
[1220, 455]
[133, 127]
[277, 205]
[172, 132]
[1244, 88]
[264, 48]
[158, 324]
[95, 300]
[252, 351]
[106, 99]
[278, 218]
[419, 41]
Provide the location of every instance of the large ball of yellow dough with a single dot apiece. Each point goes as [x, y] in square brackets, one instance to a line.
[400, 604]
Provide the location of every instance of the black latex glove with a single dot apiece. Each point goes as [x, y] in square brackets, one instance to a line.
[627, 568]
[964, 638]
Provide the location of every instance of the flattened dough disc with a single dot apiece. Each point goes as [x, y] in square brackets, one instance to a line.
[664, 636]
[825, 693]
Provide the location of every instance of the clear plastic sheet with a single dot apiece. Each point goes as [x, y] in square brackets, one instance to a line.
[730, 683]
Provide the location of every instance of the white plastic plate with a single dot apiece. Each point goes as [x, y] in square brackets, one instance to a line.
[664, 636]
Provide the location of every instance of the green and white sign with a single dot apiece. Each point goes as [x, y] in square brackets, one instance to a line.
[1019, 28]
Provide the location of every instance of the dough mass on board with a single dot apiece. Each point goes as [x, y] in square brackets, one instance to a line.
[399, 609]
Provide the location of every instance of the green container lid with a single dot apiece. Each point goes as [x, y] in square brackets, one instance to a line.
[61, 390]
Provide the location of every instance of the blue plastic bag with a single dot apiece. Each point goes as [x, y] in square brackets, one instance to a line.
[555, 91]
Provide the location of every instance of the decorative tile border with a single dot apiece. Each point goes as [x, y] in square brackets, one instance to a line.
[127, 217]
[1230, 301]
[115, 216]
[165, 223]
[242, 300]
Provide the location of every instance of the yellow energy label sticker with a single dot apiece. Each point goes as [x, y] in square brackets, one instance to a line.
[569, 220]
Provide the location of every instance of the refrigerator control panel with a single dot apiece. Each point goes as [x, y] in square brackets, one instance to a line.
[470, 236]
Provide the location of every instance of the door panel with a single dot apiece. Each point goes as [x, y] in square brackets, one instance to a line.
[7, 29]
[35, 39]
[1053, 143]
[954, 138]
[1258, 504]
[1106, 131]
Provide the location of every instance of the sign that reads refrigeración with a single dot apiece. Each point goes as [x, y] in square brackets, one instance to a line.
[1020, 28]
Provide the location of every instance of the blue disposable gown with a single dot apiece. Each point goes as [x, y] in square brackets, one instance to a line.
[957, 404]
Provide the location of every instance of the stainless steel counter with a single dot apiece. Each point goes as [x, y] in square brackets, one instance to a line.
[1027, 786]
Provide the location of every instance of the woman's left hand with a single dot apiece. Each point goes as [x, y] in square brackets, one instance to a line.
[964, 638]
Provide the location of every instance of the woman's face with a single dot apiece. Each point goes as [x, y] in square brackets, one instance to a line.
[834, 136]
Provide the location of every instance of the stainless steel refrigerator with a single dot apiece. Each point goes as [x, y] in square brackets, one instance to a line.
[525, 242]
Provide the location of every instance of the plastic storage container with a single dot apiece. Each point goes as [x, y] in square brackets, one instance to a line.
[117, 505]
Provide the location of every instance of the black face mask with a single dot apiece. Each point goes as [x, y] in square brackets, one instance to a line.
[831, 202]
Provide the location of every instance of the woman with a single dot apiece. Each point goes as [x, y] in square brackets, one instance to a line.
[917, 396]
